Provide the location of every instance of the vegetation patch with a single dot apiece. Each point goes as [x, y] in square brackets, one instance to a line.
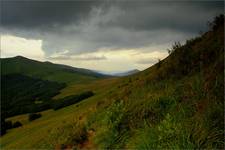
[34, 116]
[69, 100]
[30, 90]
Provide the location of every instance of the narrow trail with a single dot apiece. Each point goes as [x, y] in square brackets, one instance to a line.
[88, 144]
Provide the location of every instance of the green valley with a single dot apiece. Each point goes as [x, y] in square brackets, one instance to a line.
[47, 70]
[178, 103]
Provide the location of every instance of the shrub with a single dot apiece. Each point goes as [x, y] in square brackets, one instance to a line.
[30, 90]
[175, 46]
[111, 133]
[72, 134]
[2, 128]
[69, 100]
[159, 63]
[16, 124]
[8, 124]
[2, 131]
[218, 20]
[34, 116]
[163, 105]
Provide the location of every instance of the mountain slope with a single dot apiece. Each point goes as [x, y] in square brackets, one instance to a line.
[47, 70]
[22, 94]
[28, 86]
[175, 104]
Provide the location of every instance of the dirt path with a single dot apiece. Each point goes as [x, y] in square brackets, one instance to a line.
[88, 144]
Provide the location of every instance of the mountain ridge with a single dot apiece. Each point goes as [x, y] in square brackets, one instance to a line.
[47, 70]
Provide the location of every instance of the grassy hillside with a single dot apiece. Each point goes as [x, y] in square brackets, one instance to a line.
[175, 104]
[22, 94]
[47, 70]
[28, 86]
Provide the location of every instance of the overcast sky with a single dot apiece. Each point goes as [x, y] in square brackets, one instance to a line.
[101, 35]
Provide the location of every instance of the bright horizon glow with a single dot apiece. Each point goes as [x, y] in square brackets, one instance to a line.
[12, 46]
[104, 60]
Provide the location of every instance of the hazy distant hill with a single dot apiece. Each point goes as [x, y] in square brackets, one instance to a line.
[127, 73]
[47, 70]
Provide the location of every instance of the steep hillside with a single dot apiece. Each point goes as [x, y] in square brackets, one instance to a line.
[27, 86]
[176, 104]
[47, 70]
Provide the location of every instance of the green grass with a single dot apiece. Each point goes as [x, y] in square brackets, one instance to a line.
[51, 129]
[54, 128]
[47, 71]
[95, 86]
[152, 116]
[163, 107]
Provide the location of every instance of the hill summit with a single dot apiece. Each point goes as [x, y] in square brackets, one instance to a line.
[47, 71]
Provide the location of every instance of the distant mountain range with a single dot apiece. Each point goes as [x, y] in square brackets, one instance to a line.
[120, 74]
[127, 73]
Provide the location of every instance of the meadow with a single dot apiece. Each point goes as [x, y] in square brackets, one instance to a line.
[175, 104]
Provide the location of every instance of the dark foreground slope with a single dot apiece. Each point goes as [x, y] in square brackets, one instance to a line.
[175, 104]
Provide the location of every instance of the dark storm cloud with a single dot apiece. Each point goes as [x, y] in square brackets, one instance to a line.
[178, 15]
[86, 26]
[36, 14]
[135, 15]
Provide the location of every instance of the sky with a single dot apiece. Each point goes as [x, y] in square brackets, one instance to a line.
[109, 36]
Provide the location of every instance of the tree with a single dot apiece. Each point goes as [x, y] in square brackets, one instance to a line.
[17, 124]
[159, 63]
[33, 116]
[218, 20]
[175, 46]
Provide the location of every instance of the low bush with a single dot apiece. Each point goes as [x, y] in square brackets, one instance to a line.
[34, 116]
[3, 127]
[70, 135]
[16, 124]
[30, 89]
[111, 133]
[69, 100]
[8, 124]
